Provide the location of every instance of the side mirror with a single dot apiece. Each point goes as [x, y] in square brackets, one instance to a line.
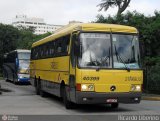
[76, 48]
[76, 45]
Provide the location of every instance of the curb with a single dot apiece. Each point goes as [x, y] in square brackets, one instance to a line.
[150, 98]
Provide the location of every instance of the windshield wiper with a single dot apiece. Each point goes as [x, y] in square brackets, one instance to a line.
[104, 61]
[93, 62]
[120, 58]
[106, 58]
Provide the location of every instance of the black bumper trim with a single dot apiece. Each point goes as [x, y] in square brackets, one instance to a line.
[100, 98]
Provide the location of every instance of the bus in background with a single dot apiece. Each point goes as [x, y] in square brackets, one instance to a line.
[16, 66]
[89, 64]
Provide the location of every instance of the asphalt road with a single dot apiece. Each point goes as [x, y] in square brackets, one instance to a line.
[22, 100]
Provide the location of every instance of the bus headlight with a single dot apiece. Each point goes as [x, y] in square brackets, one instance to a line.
[20, 76]
[87, 87]
[138, 88]
[135, 87]
[84, 87]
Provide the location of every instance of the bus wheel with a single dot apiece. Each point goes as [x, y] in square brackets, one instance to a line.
[15, 81]
[68, 104]
[114, 105]
[37, 87]
[6, 79]
[42, 93]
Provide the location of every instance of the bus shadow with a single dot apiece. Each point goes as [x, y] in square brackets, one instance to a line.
[97, 108]
[55, 99]
[89, 108]
[19, 83]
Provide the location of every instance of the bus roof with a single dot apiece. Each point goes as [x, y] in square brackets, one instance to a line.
[97, 27]
[20, 50]
[23, 50]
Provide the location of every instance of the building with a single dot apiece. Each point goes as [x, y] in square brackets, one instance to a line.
[37, 23]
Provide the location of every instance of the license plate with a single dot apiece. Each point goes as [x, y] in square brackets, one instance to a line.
[111, 100]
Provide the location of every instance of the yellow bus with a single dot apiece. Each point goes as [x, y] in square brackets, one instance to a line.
[89, 63]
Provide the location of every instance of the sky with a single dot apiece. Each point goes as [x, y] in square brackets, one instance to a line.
[60, 12]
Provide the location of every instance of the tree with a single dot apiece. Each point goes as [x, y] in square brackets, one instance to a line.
[12, 38]
[8, 38]
[27, 37]
[121, 4]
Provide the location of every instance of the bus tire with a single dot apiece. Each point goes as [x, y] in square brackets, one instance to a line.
[6, 78]
[114, 105]
[15, 81]
[42, 92]
[37, 88]
[68, 104]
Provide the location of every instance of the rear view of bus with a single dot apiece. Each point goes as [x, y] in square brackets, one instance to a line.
[16, 66]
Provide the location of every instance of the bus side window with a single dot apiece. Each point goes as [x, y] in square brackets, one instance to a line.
[32, 53]
[38, 52]
[66, 41]
[44, 49]
[52, 49]
[58, 47]
[47, 48]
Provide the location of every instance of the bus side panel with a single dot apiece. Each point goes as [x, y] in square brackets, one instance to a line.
[5, 71]
[72, 84]
[32, 72]
[52, 72]
[10, 71]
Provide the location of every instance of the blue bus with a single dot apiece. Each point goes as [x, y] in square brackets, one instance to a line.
[16, 66]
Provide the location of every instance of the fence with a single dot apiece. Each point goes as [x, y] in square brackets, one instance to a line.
[152, 79]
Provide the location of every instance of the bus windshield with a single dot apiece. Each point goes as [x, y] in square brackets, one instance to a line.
[24, 59]
[23, 66]
[96, 51]
[24, 55]
[126, 51]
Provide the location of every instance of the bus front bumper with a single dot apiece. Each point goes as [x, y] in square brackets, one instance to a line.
[104, 98]
[23, 79]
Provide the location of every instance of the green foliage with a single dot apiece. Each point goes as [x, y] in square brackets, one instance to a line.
[8, 38]
[152, 82]
[12, 38]
[27, 38]
[121, 4]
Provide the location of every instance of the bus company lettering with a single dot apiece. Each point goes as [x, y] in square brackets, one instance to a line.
[133, 78]
[54, 65]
